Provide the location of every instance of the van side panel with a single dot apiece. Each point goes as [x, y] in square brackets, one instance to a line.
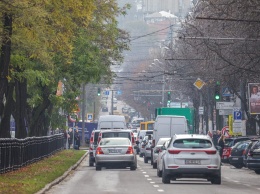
[111, 122]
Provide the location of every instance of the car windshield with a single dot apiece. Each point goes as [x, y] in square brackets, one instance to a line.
[192, 143]
[114, 141]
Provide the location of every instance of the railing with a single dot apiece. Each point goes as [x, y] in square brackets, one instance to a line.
[16, 153]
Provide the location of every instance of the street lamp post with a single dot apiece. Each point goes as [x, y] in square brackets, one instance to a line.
[163, 85]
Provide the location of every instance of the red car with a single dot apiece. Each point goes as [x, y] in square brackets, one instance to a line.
[229, 143]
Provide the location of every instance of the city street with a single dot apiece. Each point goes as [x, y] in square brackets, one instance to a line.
[85, 179]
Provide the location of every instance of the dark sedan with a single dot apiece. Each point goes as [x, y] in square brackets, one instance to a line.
[253, 157]
[238, 153]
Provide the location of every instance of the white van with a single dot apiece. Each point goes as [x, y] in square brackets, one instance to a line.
[168, 125]
[111, 122]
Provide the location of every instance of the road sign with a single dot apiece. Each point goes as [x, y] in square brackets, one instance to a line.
[225, 91]
[225, 131]
[237, 126]
[199, 83]
[237, 115]
[90, 116]
[119, 92]
[201, 110]
[224, 105]
[107, 92]
[225, 112]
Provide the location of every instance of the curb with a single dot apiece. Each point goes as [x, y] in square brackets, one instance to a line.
[59, 179]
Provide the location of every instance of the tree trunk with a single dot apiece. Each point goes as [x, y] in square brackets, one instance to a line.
[4, 72]
[20, 112]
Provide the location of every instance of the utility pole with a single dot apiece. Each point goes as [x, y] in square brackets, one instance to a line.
[83, 114]
[112, 105]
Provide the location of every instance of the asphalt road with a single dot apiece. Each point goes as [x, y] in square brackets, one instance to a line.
[86, 179]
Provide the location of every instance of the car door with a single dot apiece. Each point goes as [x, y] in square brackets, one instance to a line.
[162, 153]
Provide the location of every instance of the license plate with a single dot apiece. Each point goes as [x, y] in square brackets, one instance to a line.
[114, 151]
[234, 158]
[192, 161]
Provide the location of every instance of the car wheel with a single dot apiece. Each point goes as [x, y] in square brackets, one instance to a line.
[238, 166]
[257, 171]
[132, 167]
[98, 168]
[217, 179]
[159, 172]
[145, 160]
[154, 165]
[165, 177]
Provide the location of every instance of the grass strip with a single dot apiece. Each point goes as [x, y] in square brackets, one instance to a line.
[34, 177]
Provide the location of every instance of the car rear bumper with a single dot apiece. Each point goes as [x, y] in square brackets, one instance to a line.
[193, 172]
[114, 158]
[253, 164]
[235, 160]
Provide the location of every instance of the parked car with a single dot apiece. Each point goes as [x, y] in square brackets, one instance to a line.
[116, 152]
[190, 156]
[142, 146]
[92, 146]
[157, 149]
[238, 153]
[229, 143]
[247, 150]
[253, 157]
[160, 155]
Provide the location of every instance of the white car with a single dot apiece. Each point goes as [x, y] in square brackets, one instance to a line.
[190, 156]
[157, 149]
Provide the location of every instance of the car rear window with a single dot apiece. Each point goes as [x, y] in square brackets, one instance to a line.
[192, 143]
[150, 126]
[256, 145]
[116, 134]
[161, 141]
[241, 145]
[119, 141]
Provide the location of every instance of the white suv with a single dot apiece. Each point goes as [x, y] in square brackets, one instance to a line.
[190, 156]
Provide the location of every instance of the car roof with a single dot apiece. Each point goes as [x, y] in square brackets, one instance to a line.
[116, 130]
[181, 136]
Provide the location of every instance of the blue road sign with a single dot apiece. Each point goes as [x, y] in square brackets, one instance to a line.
[119, 92]
[237, 115]
[225, 91]
[90, 116]
[107, 92]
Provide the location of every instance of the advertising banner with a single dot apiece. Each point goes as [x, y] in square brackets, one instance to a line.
[254, 98]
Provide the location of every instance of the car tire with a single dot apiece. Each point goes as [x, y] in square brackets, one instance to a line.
[154, 165]
[216, 180]
[145, 159]
[98, 168]
[165, 177]
[238, 166]
[132, 167]
[257, 171]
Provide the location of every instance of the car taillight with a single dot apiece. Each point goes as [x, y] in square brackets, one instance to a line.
[91, 138]
[133, 138]
[99, 137]
[211, 152]
[174, 151]
[99, 150]
[130, 150]
[244, 152]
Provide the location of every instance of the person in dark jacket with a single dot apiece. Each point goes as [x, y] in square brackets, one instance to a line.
[221, 143]
[76, 139]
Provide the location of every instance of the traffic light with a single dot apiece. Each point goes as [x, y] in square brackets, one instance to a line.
[168, 96]
[217, 91]
[98, 91]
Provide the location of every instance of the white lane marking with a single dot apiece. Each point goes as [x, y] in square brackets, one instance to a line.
[227, 178]
[146, 175]
[144, 172]
[149, 179]
[258, 188]
[160, 190]
[247, 185]
[152, 182]
[235, 181]
[156, 185]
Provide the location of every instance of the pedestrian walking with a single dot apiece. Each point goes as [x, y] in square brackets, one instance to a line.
[76, 140]
[70, 137]
[221, 143]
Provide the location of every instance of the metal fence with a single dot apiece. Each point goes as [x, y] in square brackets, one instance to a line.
[16, 153]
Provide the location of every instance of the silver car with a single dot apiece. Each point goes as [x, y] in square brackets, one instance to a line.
[157, 149]
[147, 148]
[190, 156]
[117, 152]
